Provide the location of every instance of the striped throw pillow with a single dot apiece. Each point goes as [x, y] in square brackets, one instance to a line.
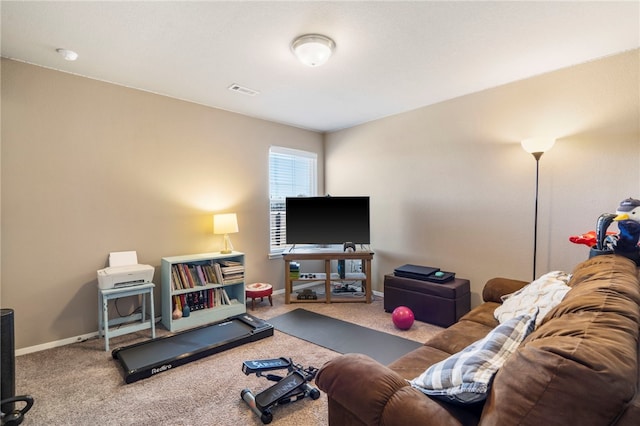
[465, 377]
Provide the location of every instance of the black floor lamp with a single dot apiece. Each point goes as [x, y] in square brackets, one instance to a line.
[536, 147]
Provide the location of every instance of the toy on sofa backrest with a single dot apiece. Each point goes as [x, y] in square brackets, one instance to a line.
[626, 242]
[629, 225]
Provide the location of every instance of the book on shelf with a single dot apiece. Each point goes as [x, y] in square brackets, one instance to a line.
[196, 300]
[218, 273]
[192, 275]
[233, 276]
[210, 274]
[225, 297]
[183, 275]
[176, 283]
[186, 276]
[229, 274]
[201, 278]
[219, 297]
[192, 307]
[232, 269]
[203, 299]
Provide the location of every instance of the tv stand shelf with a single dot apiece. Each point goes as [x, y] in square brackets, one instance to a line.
[327, 277]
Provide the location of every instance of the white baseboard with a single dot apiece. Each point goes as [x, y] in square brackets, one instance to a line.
[55, 344]
[62, 342]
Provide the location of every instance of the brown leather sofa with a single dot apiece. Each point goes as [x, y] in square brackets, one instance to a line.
[579, 367]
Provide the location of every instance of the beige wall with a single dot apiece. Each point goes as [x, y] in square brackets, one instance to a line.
[451, 187]
[90, 167]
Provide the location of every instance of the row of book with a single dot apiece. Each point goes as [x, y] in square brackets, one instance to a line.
[232, 271]
[202, 299]
[192, 275]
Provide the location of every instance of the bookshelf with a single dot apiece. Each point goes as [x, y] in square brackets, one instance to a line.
[212, 284]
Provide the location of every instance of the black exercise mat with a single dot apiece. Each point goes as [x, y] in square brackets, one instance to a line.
[342, 336]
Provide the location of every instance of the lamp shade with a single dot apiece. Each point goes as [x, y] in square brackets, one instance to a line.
[226, 223]
[534, 145]
[313, 49]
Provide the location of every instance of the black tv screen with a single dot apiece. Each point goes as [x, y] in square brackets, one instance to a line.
[327, 220]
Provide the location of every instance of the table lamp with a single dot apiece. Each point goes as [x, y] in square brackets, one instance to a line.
[226, 224]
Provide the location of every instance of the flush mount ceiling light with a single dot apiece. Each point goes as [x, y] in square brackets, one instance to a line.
[67, 54]
[313, 49]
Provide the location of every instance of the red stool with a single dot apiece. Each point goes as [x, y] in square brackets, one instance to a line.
[260, 290]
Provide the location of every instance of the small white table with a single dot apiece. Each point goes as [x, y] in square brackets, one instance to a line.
[114, 293]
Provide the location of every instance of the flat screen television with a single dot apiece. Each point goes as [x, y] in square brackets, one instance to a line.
[327, 220]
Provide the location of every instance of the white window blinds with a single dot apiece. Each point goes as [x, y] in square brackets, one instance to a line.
[292, 173]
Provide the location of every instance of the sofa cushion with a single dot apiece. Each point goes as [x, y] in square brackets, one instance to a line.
[413, 364]
[457, 337]
[483, 314]
[465, 376]
[542, 294]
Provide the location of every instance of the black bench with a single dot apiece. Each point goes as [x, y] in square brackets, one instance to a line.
[436, 303]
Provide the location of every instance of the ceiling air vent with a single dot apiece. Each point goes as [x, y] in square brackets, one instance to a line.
[244, 90]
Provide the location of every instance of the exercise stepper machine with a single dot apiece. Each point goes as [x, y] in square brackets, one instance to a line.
[290, 388]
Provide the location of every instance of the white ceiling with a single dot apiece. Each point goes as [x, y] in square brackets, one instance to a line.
[391, 56]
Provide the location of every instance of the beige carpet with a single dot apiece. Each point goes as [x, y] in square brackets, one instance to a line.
[80, 384]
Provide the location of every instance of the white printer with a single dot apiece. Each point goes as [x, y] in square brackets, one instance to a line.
[124, 271]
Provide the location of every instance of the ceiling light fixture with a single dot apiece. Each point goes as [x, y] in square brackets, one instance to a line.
[67, 54]
[313, 49]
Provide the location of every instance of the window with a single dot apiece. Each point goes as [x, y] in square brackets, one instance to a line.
[292, 173]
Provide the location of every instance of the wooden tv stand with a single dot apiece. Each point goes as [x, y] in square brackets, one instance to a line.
[327, 276]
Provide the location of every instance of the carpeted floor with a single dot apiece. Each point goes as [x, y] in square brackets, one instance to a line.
[80, 384]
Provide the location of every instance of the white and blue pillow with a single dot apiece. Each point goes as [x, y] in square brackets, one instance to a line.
[543, 294]
[465, 377]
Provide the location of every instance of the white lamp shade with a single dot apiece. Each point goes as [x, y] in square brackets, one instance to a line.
[537, 144]
[313, 49]
[225, 223]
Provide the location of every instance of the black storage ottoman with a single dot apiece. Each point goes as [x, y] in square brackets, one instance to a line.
[436, 303]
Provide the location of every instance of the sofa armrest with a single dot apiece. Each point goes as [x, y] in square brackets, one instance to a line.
[495, 288]
[373, 394]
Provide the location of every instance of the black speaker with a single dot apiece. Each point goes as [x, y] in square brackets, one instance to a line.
[7, 360]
